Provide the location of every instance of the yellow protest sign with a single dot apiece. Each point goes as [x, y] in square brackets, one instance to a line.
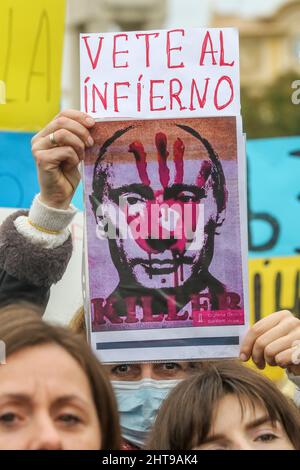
[31, 43]
[274, 285]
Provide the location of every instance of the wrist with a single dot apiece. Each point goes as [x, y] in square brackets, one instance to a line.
[51, 219]
[55, 203]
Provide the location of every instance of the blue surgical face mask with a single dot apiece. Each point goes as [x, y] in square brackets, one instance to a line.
[138, 404]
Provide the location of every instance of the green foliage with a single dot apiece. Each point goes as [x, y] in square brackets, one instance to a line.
[272, 114]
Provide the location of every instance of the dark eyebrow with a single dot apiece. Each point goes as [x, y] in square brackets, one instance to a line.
[258, 422]
[66, 399]
[27, 399]
[177, 188]
[17, 397]
[253, 424]
[140, 189]
[213, 438]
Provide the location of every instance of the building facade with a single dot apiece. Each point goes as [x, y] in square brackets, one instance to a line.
[91, 16]
[269, 46]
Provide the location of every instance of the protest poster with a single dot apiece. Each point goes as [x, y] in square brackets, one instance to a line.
[165, 245]
[31, 37]
[274, 196]
[274, 285]
[180, 72]
[18, 177]
[274, 227]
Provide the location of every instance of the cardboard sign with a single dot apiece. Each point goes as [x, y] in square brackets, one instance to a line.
[274, 284]
[164, 253]
[18, 177]
[274, 197]
[164, 198]
[174, 73]
[31, 38]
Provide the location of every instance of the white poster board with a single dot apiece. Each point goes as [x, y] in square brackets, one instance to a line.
[155, 74]
[168, 133]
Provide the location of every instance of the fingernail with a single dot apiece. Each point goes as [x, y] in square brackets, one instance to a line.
[90, 121]
[90, 141]
[243, 357]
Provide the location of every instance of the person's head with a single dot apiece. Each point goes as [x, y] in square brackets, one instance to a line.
[54, 394]
[226, 406]
[139, 388]
[162, 208]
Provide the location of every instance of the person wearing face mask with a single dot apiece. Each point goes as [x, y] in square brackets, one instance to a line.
[243, 411]
[140, 390]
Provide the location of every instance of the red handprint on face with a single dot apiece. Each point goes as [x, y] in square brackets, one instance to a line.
[167, 220]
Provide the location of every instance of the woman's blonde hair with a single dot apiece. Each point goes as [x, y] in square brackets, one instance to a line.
[77, 323]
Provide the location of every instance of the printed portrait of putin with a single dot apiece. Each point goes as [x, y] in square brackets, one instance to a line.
[159, 197]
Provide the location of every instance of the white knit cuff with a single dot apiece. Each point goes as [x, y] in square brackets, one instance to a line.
[50, 218]
[35, 236]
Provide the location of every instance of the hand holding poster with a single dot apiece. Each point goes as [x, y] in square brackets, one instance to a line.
[164, 249]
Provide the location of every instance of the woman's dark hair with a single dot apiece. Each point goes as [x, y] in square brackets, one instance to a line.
[186, 416]
[21, 327]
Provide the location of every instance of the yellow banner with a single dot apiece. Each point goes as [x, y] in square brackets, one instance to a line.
[274, 285]
[31, 43]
